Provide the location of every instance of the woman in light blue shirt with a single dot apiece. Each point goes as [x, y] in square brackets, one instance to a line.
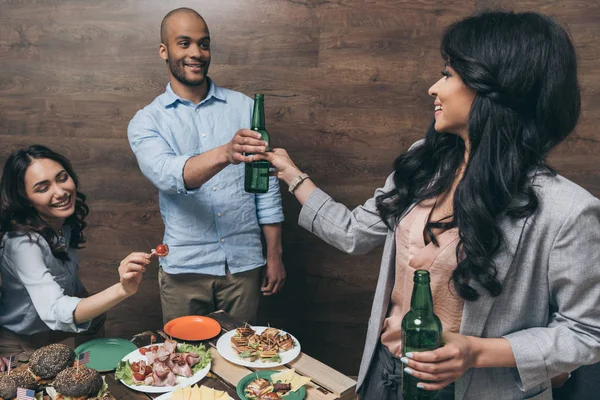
[42, 218]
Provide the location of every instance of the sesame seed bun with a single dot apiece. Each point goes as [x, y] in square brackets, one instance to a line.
[78, 382]
[16, 379]
[46, 362]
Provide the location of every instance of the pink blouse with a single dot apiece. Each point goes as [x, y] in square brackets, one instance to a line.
[411, 254]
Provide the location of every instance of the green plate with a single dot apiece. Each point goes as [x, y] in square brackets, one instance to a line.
[106, 353]
[266, 374]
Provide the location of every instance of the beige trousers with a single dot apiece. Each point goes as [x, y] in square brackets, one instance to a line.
[198, 294]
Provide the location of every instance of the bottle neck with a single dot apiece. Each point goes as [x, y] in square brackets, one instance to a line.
[422, 300]
[258, 115]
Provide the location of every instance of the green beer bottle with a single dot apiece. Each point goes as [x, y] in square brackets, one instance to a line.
[257, 172]
[421, 331]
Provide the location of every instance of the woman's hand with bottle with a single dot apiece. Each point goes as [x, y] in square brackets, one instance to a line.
[442, 366]
[460, 353]
[131, 270]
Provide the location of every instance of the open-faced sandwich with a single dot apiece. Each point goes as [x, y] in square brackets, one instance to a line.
[265, 346]
[276, 387]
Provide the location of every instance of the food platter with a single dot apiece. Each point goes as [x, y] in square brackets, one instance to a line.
[297, 395]
[136, 355]
[226, 351]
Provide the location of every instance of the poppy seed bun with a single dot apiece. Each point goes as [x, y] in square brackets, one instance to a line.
[46, 362]
[74, 382]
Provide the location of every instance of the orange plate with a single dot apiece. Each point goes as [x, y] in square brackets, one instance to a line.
[193, 327]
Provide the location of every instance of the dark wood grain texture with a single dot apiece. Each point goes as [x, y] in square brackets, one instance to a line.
[346, 92]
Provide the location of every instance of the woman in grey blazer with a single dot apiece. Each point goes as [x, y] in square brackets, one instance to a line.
[528, 260]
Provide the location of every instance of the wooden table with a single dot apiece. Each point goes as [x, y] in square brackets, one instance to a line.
[327, 383]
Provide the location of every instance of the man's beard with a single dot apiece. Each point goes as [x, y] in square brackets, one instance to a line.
[177, 69]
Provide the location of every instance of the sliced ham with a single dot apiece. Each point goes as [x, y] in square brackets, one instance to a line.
[192, 359]
[167, 364]
[160, 370]
[178, 358]
[163, 354]
[151, 357]
[169, 380]
[170, 346]
[183, 370]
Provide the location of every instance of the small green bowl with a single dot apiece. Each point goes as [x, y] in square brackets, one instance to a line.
[297, 395]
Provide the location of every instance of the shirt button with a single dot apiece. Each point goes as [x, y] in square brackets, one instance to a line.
[219, 214]
[214, 188]
[204, 135]
[222, 240]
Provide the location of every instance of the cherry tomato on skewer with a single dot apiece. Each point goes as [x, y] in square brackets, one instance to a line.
[161, 250]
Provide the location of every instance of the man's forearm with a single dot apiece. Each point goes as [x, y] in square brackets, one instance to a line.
[199, 169]
[272, 234]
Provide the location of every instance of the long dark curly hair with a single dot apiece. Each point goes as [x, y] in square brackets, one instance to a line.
[16, 213]
[523, 69]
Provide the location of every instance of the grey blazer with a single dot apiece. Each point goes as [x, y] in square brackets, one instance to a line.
[549, 309]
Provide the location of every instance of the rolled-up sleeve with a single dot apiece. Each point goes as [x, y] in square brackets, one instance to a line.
[54, 308]
[572, 337]
[268, 205]
[157, 160]
[354, 232]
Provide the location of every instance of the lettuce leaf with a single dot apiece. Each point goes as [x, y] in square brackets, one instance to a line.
[198, 349]
[124, 372]
[245, 354]
[275, 359]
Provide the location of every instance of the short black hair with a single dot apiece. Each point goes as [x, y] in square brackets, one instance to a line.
[165, 21]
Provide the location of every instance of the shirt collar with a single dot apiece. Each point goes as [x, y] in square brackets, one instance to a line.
[169, 97]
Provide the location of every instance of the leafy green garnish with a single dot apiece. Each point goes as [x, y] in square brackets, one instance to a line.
[103, 389]
[200, 350]
[246, 354]
[274, 359]
[124, 372]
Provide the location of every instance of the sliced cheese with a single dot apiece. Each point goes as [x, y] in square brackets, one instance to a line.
[298, 381]
[196, 393]
[177, 394]
[207, 393]
[284, 376]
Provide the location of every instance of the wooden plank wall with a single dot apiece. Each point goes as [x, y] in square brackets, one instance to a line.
[346, 84]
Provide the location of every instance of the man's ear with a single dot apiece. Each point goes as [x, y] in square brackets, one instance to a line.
[163, 52]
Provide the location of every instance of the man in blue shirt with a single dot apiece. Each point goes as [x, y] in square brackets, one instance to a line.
[187, 144]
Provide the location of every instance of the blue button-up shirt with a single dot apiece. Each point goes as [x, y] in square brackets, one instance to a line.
[216, 224]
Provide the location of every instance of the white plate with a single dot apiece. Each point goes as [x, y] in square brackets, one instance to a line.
[224, 348]
[167, 395]
[181, 381]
